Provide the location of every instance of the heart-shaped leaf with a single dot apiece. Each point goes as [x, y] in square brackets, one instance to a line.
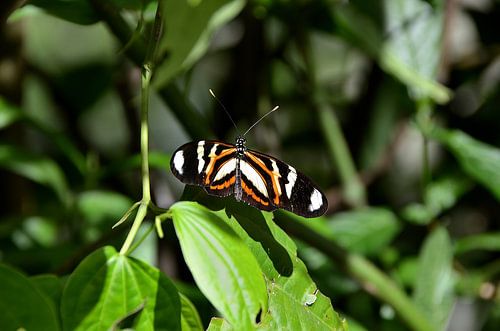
[107, 287]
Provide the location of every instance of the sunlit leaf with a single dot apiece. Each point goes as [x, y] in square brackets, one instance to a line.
[183, 44]
[479, 160]
[107, 287]
[219, 324]
[407, 46]
[434, 282]
[295, 302]
[223, 267]
[23, 305]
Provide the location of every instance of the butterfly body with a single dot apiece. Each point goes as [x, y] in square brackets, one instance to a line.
[257, 179]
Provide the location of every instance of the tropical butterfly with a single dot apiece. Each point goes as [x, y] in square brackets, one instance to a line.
[255, 178]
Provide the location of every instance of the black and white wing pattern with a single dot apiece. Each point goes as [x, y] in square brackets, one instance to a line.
[255, 178]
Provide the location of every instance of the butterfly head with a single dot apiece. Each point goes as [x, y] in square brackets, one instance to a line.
[240, 145]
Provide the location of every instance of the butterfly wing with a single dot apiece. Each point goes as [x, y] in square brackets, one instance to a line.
[282, 186]
[207, 163]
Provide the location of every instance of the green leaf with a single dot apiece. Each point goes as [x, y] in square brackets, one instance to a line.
[76, 11]
[439, 196]
[483, 241]
[39, 169]
[295, 303]
[23, 305]
[434, 282]
[219, 324]
[183, 44]
[222, 266]
[190, 320]
[8, 113]
[98, 206]
[479, 160]
[409, 48]
[51, 286]
[107, 287]
[364, 231]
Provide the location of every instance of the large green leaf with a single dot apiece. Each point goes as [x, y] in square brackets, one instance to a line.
[434, 282]
[23, 305]
[37, 168]
[183, 44]
[219, 324]
[479, 160]
[107, 287]
[222, 265]
[295, 303]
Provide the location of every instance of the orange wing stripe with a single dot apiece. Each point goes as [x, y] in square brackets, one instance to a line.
[224, 185]
[271, 174]
[213, 159]
[250, 192]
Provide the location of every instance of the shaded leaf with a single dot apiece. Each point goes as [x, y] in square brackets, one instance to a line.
[364, 231]
[107, 287]
[76, 11]
[23, 305]
[8, 113]
[183, 44]
[97, 206]
[439, 196]
[51, 286]
[483, 241]
[222, 266]
[39, 169]
[190, 320]
[434, 282]
[295, 303]
[479, 160]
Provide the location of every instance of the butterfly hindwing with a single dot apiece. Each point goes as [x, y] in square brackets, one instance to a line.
[206, 163]
[287, 188]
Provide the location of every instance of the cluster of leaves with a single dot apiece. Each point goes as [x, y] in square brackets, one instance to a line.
[413, 221]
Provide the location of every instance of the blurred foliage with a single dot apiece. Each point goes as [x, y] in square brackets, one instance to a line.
[390, 106]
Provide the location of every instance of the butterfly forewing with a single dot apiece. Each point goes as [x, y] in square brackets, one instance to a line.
[206, 163]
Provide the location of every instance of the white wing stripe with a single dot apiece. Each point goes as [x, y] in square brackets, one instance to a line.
[292, 177]
[253, 177]
[179, 161]
[200, 151]
[226, 169]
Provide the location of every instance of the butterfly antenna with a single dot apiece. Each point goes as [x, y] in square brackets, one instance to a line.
[260, 119]
[223, 107]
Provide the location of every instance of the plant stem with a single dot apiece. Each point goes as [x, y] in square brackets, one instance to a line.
[353, 189]
[372, 278]
[146, 74]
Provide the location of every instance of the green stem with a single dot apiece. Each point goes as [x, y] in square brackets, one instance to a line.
[373, 279]
[354, 191]
[147, 72]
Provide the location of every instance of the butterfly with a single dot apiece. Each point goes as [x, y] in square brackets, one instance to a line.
[255, 178]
